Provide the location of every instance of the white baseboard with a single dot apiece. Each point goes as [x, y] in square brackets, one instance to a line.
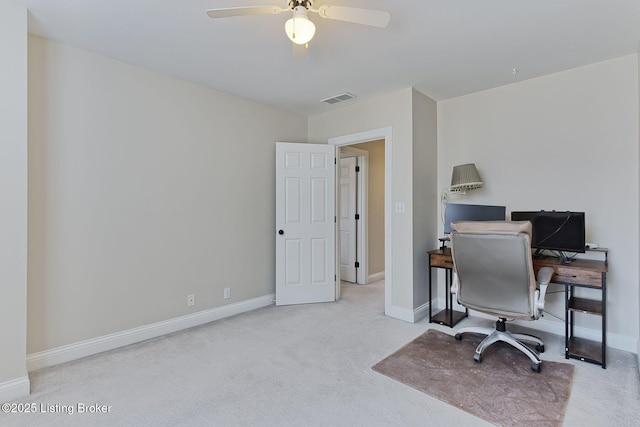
[638, 354]
[375, 277]
[421, 312]
[411, 316]
[400, 313]
[91, 346]
[14, 389]
[619, 342]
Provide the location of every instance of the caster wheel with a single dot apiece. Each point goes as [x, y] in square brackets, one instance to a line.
[477, 357]
[535, 367]
[459, 337]
[540, 348]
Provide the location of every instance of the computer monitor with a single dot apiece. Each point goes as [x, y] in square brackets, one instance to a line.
[462, 212]
[555, 230]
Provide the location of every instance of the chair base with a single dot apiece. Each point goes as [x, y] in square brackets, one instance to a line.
[499, 333]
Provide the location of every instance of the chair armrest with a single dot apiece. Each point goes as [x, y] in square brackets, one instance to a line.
[454, 284]
[543, 279]
[544, 275]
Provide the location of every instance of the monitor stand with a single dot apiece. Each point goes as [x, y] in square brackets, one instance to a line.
[564, 258]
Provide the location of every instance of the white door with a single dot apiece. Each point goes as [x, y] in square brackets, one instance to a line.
[305, 223]
[347, 209]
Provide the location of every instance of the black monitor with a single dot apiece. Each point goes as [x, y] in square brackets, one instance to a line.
[554, 230]
[462, 212]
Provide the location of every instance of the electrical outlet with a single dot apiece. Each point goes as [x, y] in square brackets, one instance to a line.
[191, 300]
[227, 293]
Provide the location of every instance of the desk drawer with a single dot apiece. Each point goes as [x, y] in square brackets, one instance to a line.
[442, 261]
[575, 276]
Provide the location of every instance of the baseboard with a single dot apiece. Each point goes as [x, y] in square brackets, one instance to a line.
[411, 316]
[638, 354]
[619, 342]
[14, 389]
[376, 277]
[420, 312]
[92, 346]
[400, 313]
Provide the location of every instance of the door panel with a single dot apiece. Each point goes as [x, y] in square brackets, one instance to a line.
[305, 240]
[293, 258]
[348, 187]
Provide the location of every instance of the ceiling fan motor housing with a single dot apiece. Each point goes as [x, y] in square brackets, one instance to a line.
[304, 3]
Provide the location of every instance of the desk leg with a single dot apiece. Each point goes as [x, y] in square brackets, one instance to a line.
[449, 280]
[566, 321]
[430, 297]
[604, 321]
[572, 319]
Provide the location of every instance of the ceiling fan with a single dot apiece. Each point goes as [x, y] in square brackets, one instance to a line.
[299, 28]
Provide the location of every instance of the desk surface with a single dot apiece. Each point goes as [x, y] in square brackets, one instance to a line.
[579, 272]
[578, 263]
[548, 261]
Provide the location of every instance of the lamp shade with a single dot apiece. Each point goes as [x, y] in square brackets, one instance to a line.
[465, 177]
[298, 28]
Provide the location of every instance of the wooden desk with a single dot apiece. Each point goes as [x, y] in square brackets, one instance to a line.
[579, 273]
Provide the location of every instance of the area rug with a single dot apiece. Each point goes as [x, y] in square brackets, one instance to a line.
[502, 389]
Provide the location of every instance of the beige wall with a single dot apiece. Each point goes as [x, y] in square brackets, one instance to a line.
[13, 207]
[142, 189]
[567, 141]
[375, 204]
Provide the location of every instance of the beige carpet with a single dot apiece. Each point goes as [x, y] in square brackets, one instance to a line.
[502, 389]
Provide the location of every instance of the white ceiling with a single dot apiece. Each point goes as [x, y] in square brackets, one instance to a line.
[444, 48]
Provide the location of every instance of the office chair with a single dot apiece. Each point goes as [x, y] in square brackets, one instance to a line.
[493, 274]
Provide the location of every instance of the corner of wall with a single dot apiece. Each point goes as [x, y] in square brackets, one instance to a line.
[424, 193]
[638, 240]
[13, 227]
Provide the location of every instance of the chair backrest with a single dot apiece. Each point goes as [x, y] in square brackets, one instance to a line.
[492, 260]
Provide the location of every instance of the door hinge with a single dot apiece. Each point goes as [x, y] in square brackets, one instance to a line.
[357, 264]
[335, 160]
[335, 277]
[335, 219]
[357, 217]
[357, 168]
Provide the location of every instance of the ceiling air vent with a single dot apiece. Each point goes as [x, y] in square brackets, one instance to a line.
[339, 98]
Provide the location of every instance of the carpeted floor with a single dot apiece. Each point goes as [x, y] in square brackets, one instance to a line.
[502, 389]
[306, 365]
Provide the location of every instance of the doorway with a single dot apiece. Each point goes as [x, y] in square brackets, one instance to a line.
[352, 206]
[383, 244]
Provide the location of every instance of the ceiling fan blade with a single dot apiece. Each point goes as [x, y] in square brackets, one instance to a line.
[376, 18]
[245, 10]
[300, 51]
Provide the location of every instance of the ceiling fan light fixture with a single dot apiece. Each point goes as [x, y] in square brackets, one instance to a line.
[299, 28]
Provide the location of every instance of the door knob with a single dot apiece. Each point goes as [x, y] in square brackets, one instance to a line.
[281, 232]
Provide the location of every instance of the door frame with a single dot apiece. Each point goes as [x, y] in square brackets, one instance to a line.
[367, 136]
[362, 226]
